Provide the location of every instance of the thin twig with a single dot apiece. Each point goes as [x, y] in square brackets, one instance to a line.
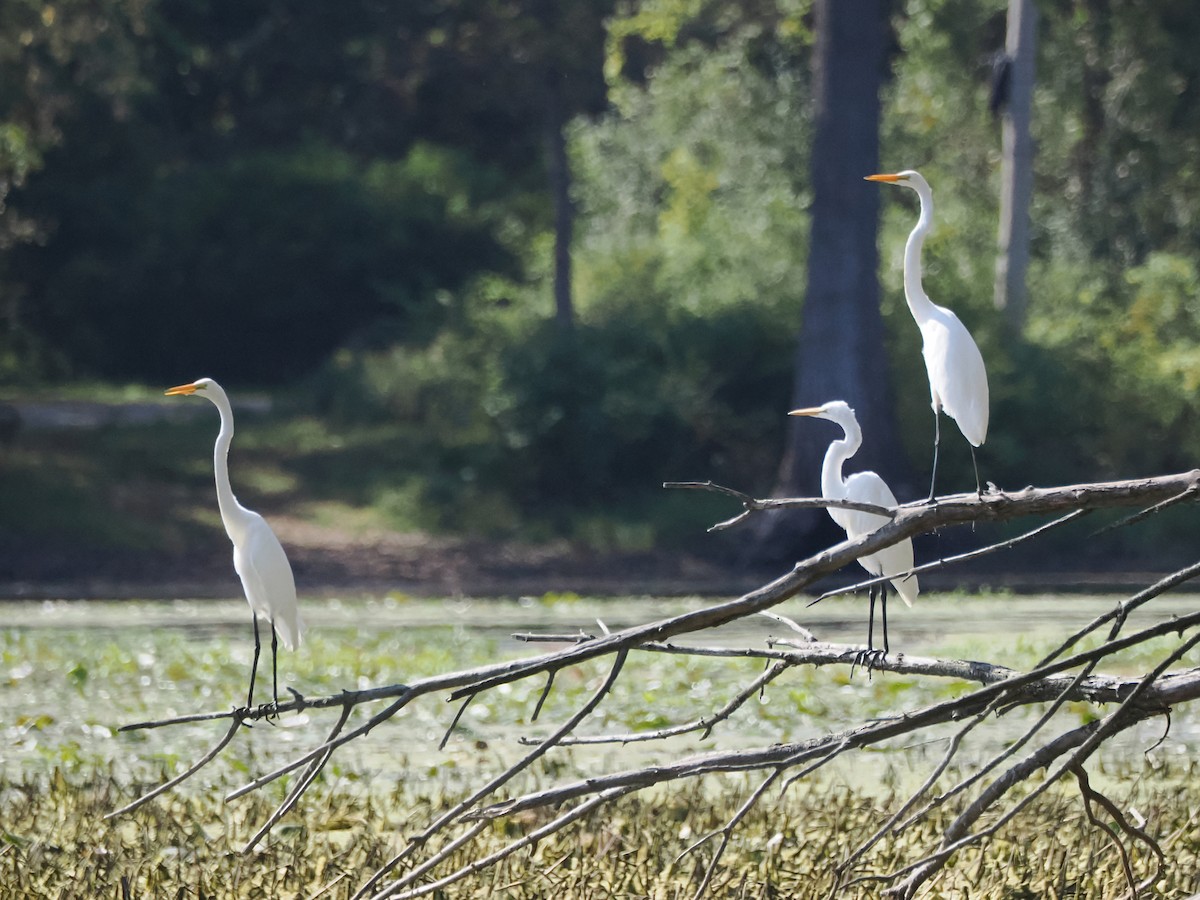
[1136, 832]
[528, 840]
[794, 626]
[1088, 794]
[755, 505]
[300, 703]
[537, 710]
[704, 724]
[726, 832]
[1126, 521]
[454, 722]
[1006, 544]
[577, 637]
[208, 757]
[504, 777]
[301, 785]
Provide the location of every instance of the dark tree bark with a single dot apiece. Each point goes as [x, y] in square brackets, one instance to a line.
[840, 354]
[558, 171]
[1016, 166]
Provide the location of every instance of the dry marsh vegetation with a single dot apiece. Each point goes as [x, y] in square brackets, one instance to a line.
[70, 674]
[56, 844]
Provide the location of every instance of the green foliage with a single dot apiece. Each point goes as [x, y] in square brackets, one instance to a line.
[1117, 114]
[638, 397]
[769, 27]
[184, 170]
[1102, 383]
[192, 200]
[257, 267]
[18, 155]
[522, 421]
[1127, 364]
[50, 55]
[691, 193]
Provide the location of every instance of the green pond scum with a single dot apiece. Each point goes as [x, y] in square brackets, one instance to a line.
[71, 674]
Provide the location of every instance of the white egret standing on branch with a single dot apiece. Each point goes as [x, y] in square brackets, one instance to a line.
[863, 487]
[957, 377]
[258, 557]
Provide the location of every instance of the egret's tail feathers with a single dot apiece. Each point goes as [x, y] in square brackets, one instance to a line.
[908, 588]
[290, 628]
[973, 421]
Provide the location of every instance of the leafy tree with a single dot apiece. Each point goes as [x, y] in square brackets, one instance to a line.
[54, 59]
[498, 78]
[258, 268]
[691, 192]
[212, 91]
[1115, 128]
[681, 169]
[841, 351]
[46, 53]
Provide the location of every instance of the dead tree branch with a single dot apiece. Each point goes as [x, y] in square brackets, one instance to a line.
[1068, 674]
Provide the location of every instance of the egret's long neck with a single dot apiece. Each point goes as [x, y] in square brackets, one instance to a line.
[232, 512]
[833, 485]
[919, 303]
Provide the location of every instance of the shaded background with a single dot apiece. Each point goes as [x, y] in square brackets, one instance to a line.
[502, 268]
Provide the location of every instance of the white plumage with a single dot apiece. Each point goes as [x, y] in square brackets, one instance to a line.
[957, 376]
[258, 557]
[267, 578]
[862, 487]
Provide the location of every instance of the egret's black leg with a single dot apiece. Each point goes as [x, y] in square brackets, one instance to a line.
[868, 657]
[883, 611]
[254, 665]
[871, 619]
[978, 492]
[274, 662]
[937, 439]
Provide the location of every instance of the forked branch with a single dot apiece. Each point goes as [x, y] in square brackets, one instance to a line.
[1068, 674]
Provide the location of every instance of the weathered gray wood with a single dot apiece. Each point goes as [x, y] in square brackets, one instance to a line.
[840, 350]
[1066, 674]
[1016, 166]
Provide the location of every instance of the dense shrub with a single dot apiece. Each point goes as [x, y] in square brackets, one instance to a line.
[256, 268]
[558, 423]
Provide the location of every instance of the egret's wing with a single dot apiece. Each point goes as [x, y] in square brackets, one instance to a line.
[957, 375]
[868, 487]
[896, 559]
[251, 583]
[267, 577]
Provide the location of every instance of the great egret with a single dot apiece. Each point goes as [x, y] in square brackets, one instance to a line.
[863, 487]
[957, 377]
[258, 557]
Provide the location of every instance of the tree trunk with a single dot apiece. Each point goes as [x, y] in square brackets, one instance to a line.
[1016, 166]
[558, 171]
[1093, 152]
[840, 353]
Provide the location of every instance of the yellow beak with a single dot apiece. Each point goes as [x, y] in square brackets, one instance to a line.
[808, 411]
[181, 389]
[890, 179]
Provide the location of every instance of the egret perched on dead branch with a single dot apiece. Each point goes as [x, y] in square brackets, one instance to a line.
[258, 557]
[863, 487]
[957, 377]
